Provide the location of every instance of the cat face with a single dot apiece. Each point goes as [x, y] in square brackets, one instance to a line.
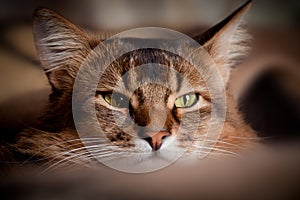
[147, 100]
[145, 104]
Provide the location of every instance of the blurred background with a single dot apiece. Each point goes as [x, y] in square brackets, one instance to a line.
[275, 27]
[270, 102]
[103, 14]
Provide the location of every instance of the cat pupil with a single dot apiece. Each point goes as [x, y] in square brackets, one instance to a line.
[186, 98]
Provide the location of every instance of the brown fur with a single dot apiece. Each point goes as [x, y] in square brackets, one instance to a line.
[62, 48]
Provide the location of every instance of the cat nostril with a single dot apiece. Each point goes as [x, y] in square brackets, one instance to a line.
[155, 139]
[148, 139]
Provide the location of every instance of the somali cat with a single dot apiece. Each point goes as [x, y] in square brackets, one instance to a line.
[155, 111]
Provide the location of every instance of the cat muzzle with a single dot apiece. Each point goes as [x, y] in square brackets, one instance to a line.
[155, 139]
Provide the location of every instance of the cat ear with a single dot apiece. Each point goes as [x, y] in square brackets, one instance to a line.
[227, 42]
[61, 46]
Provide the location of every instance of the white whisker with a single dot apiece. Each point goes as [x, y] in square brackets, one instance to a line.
[223, 142]
[214, 149]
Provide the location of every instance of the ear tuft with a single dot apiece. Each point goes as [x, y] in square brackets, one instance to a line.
[59, 43]
[228, 41]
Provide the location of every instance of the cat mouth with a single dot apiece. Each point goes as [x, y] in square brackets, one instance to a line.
[153, 158]
[168, 151]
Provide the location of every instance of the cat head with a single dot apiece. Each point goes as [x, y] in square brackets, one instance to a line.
[154, 110]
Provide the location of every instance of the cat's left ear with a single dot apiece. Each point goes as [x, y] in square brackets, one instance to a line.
[57, 40]
[61, 46]
[227, 42]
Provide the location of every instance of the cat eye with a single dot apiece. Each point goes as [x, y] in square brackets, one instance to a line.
[186, 100]
[116, 100]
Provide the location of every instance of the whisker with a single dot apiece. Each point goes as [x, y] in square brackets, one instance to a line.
[223, 142]
[62, 162]
[209, 153]
[246, 138]
[73, 151]
[215, 149]
[91, 151]
[79, 141]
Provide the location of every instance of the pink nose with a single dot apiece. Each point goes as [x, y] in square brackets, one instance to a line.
[155, 139]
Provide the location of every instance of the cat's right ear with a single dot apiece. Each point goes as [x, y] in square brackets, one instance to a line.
[61, 46]
[228, 41]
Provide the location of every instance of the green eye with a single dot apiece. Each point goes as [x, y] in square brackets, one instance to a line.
[186, 100]
[116, 100]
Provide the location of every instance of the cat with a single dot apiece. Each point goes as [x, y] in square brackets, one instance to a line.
[155, 110]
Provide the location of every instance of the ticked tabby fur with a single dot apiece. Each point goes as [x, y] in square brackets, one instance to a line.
[63, 47]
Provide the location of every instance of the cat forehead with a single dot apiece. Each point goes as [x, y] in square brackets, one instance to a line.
[153, 49]
[149, 67]
[149, 62]
[140, 51]
[140, 57]
[139, 43]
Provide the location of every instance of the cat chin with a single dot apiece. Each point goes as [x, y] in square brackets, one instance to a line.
[143, 159]
[144, 162]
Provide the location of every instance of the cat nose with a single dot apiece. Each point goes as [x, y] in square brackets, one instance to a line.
[155, 139]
